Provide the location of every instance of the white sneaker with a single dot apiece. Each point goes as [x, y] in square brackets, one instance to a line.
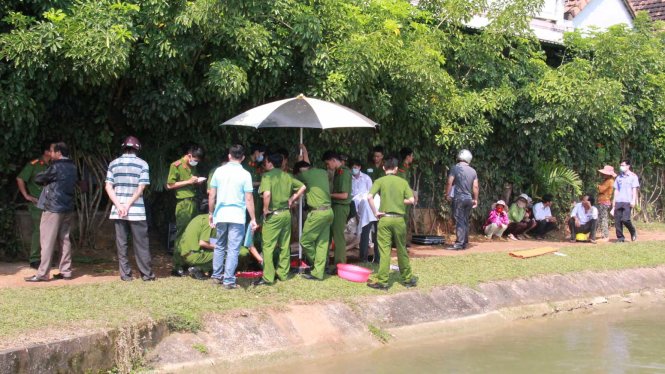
[512, 237]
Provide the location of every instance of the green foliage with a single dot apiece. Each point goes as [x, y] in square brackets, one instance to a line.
[92, 72]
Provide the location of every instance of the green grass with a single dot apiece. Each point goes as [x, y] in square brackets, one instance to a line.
[651, 226]
[183, 301]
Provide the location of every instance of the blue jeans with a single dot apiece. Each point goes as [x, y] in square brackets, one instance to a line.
[229, 239]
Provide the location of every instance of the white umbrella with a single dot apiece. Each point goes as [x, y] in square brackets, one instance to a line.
[304, 113]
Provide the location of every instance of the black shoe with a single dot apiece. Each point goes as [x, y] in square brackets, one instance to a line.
[60, 276]
[261, 282]
[178, 272]
[378, 286]
[126, 279]
[311, 277]
[633, 237]
[230, 286]
[35, 278]
[621, 240]
[455, 247]
[412, 283]
[35, 264]
[196, 273]
[332, 271]
[148, 279]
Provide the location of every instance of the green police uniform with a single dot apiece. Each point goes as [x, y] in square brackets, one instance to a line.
[255, 170]
[28, 174]
[404, 172]
[316, 231]
[341, 184]
[391, 228]
[277, 225]
[375, 172]
[188, 246]
[185, 207]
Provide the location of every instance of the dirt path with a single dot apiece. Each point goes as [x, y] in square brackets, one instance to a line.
[12, 274]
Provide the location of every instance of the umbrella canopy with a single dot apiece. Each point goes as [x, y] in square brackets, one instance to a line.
[301, 112]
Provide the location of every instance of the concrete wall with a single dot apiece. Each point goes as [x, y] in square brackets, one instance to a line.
[603, 14]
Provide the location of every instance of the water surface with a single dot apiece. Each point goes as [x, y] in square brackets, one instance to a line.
[622, 341]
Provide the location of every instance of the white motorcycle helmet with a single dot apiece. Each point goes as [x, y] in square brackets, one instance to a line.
[464, 155]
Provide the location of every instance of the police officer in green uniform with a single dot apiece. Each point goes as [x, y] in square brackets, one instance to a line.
[31, 191]
[316, 231]
[375, 169]
[395, 195]
[341, 198]
[276, 188]
[184, 180]
[405, 172]
[253, 164]
[194, 245]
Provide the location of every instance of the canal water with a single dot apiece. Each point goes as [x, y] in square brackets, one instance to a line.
[627, 340]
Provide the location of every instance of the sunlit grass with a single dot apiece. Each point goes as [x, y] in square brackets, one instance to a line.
[187, 300]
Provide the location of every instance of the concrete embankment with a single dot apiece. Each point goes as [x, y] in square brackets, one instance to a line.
[258, 337]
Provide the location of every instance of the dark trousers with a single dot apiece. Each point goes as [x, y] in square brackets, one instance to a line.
[139, 231]
[364, 242]
[543, 227]
[462, 213]
[622, 212]
[519, 228]
[587, 228]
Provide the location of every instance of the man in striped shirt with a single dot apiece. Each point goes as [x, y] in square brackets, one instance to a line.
[126, 179]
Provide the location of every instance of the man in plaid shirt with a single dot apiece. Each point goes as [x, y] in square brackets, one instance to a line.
[126, 179]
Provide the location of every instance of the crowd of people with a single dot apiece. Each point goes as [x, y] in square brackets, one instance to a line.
[617, 196]
[245, 219]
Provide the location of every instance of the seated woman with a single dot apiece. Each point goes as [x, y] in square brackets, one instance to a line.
[520, 218]
[497, 222]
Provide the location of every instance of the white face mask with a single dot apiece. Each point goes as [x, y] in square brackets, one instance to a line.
[623, 168]
[355, 171]
[193, 163]
[521, 204]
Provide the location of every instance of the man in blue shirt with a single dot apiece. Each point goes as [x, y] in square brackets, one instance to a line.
[625, 198]
[230, 196]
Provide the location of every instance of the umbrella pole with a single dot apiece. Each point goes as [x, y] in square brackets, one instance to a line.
[300, 267]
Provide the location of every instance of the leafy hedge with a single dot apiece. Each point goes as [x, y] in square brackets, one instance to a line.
[92, 72]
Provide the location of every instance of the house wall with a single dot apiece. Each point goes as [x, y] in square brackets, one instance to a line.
[603, 14]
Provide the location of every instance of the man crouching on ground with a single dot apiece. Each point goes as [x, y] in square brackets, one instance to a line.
[395, 195]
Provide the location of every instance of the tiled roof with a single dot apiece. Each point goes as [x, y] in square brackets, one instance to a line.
[573, 7]
[655, 8]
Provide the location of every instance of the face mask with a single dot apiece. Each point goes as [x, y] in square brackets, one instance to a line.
[259, 158]
[499, 209]
[623, 168]
[193, 163]
[355, 171]
[521, 204]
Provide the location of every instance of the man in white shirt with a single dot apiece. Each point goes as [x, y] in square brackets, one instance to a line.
[583, 219]
[230, 196]
[361, 183]
[543, 215]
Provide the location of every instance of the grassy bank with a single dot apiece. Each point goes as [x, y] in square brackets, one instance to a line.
[185, 301]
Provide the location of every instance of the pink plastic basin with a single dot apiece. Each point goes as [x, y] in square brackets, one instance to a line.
[353, 273]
